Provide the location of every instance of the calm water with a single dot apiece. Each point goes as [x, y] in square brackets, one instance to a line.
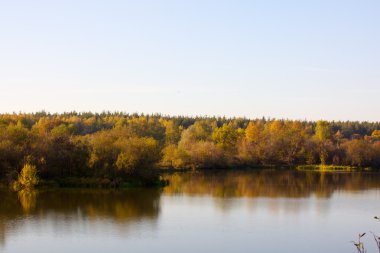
[227, 212]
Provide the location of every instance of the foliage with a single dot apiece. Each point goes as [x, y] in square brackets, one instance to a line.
[28, 177]
[137, 153]
[323, 130]
[119, 145]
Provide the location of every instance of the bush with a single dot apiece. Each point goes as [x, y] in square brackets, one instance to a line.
[28, 177]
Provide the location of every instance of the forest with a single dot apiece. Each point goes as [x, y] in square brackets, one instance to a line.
[114, 147]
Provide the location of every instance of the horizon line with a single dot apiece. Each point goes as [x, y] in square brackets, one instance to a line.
[205, 116]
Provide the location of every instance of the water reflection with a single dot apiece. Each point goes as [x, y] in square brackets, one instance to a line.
[271, 184]
[28, 199]
[228, 211]
[68, 208]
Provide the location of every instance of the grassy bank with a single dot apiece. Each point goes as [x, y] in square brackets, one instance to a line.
[332, 168]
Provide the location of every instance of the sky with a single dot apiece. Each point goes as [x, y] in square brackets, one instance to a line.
[289, 59]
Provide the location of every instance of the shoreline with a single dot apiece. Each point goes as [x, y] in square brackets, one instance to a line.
[105, 183]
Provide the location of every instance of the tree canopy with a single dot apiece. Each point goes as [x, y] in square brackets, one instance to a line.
[119, 145]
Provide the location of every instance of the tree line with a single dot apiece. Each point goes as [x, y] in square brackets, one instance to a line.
[119, 145]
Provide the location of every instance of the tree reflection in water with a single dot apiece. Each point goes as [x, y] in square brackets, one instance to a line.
[28, 199]
[268, 183]
[70, 205]
[82, 212]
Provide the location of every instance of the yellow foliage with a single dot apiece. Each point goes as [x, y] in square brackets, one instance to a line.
[28, 177]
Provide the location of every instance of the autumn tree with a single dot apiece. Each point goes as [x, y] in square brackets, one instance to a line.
[226, 137]
[28, 177]
[359, 152]
[136, 153]
[323, 134]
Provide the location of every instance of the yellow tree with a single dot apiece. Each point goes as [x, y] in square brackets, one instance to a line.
[136, 153]
[28, 177]
[323, 133]
[376, 135]
[249, 148]
[226, 137]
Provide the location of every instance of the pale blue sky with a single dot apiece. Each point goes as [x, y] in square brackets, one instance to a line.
[314, 59]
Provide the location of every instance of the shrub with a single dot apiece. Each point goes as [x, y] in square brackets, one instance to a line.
[28, 177]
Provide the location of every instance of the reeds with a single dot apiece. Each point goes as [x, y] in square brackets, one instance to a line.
[360, 245]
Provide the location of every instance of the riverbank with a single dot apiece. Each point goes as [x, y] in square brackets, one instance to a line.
[159, 181]
[333, 168]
